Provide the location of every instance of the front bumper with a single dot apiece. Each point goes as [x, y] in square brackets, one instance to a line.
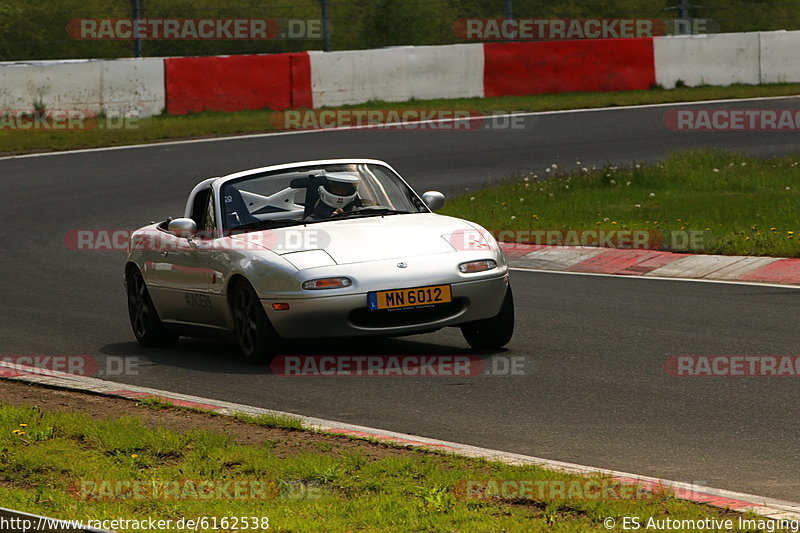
[347, 315]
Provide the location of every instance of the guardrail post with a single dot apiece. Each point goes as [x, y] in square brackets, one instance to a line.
[137, 14]
[684, 17]
[326, 29]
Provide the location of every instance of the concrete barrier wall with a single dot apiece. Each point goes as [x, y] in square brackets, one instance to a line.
[396, 74]
[721, 59]
[319, 79]
[780, 57]
[117, 87]
[233, 83]
[59, 85]
[568, 66]
[133, 85]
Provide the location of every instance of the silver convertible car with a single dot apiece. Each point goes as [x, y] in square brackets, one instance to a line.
[317, 249]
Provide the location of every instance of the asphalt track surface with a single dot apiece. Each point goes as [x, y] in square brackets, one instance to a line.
[594, 392]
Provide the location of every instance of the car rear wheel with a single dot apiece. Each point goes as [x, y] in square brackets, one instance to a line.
[255, 336]
[493, 332]
[147, 326]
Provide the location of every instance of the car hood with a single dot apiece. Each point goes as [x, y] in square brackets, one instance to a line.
[365, 239]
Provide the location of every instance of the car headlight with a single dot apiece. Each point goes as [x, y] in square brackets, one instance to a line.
[477, 266]
[327, 283]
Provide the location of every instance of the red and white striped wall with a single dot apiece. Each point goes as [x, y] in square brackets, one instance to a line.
[401, 74]
[319, 79]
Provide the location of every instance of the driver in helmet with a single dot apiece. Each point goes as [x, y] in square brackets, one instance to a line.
[338, 195]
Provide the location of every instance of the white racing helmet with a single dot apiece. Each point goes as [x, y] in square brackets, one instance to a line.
[340, 189]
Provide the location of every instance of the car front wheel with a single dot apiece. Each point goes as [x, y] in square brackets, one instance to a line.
[147, 326]
[493, 332]
[255, 336]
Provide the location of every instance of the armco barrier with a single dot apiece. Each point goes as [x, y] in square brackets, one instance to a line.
[117, 86]
[780, 56]
[397, 74]
[721, 59]
[233, 83]
[568, 66]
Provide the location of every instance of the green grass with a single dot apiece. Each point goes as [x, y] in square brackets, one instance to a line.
[742, 206]
[209, 124]
[47, 456]
[264, 420]
[271, 421]
[156, 404]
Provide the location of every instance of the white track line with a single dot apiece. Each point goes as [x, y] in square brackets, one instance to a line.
[156, 144]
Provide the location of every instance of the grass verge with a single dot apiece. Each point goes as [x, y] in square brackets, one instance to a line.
[67, 464]
[735, 205]
[212, 124]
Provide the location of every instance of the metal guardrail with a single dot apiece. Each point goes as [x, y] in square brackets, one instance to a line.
[18, 522]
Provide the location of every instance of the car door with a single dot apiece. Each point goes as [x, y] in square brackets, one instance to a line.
[182, 273]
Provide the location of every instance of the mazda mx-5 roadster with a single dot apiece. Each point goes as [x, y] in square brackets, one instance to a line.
[317, 249]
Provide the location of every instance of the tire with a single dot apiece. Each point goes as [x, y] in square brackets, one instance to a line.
[493, 332]
[146, 325]
[255, 337]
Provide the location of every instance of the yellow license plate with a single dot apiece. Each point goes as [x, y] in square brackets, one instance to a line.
[419, 296]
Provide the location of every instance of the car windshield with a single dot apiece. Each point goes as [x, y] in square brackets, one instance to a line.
[302, 195]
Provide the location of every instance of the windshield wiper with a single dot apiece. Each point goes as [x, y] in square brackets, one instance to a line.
[370, 211]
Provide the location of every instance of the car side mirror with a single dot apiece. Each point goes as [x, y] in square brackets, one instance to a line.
[184, 228]
[434, 200]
